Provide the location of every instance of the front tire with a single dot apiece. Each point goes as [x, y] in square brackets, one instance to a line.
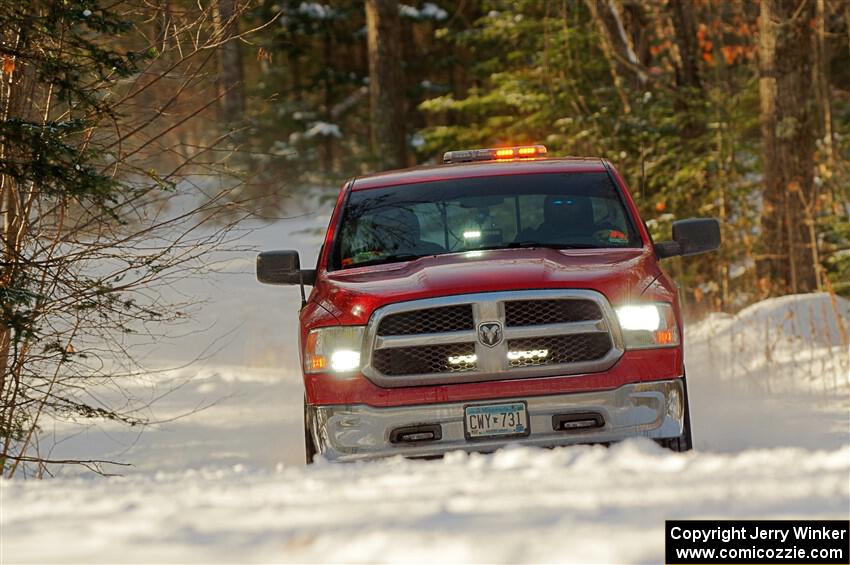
[309, 445]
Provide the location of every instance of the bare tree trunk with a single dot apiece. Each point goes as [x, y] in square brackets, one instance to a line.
[822, 80]
[847, 22]
[163, 23]
[608, 51]
[9, 210]
[386, 84]
[328, 141]
[296, 89]
[688, 80]
[788, 143]
[230, 77]
[616, 42]
[685, 29]
[639, 26]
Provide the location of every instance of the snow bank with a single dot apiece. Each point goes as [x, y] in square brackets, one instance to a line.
[583, 504]
[820, 318]
[775, 374]
[219, 416]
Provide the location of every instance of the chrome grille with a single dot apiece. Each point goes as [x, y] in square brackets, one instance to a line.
[538, 312]
[449, 358]
[436, 340]
[560, 349]
[432, 320]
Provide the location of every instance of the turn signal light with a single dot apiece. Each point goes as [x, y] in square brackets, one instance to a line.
[664, 337]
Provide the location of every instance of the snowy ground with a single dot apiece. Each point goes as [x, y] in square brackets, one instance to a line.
[771, 415]
[568, 505]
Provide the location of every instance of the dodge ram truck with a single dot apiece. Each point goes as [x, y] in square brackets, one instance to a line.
[501, 297]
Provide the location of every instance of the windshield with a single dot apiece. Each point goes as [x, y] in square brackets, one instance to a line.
[564, 210]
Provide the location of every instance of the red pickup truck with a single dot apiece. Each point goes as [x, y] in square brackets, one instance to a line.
[502, 297]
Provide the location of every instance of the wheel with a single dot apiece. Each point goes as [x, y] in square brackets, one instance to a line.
[309, 445]
[680, 444]
[684, 442]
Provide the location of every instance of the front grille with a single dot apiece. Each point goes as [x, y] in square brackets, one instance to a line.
[543, 333]
[538, 312]
[560, 349]
[425, 359]
[432, 320]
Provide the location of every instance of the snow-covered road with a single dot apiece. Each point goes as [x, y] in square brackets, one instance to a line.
[771, 416]
[583, 504]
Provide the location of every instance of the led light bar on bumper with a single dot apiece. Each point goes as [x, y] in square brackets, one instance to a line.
[335, 349]
[648, 325]
[495, 154]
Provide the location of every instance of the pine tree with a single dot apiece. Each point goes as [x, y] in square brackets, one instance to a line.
[89, 165]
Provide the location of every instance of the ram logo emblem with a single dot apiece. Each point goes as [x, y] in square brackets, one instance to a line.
[490, 333]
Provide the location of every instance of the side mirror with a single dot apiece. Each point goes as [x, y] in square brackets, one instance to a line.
[691, 237]
[283, 267]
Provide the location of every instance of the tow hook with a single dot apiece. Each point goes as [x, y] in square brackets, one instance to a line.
[577, 421]
[416, 434]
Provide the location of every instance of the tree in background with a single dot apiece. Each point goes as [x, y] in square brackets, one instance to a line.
[628, 97]
[102, 199]
[790, 251]
[669, 91]
[677, 93]
[386, 97]
[231, 87]
[309, 118]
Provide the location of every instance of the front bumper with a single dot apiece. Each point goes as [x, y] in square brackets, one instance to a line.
[357, 432]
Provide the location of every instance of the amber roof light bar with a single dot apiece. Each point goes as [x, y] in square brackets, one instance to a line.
[494, 154]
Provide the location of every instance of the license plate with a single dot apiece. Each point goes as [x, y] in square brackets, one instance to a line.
[494, 420]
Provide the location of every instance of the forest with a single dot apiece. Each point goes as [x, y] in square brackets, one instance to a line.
[731, 109]
[127, 126]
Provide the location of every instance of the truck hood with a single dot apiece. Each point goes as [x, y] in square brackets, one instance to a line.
[351, 295]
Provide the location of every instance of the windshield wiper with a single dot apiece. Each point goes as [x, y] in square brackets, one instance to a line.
[520, 244]
[397, 258]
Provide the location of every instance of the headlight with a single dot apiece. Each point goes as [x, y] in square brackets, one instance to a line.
[648, 325]
[335, 349]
